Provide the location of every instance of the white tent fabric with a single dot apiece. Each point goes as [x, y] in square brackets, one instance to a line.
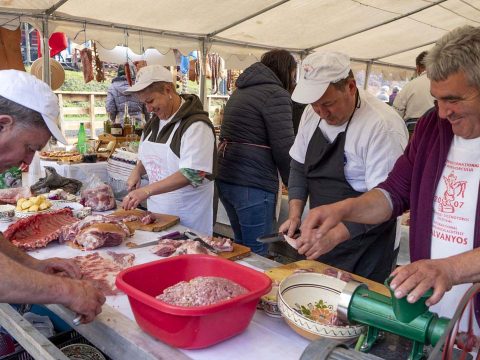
[119, 55]
[383, 31]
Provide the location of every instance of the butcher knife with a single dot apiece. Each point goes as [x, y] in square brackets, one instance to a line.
[271, 238]
[174, 235]
[195, 237]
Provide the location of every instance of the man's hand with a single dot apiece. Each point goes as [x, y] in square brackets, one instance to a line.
[290, 226]
[312, 246]
[85, 300]
[134, 181]
[320, 221]
[415, 279]
[134, 198]
[57, 266]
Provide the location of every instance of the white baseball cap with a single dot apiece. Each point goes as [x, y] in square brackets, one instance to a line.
[147, 75]
[27, 90]
[317, 72]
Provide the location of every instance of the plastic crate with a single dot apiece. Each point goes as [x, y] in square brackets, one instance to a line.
[60, 340]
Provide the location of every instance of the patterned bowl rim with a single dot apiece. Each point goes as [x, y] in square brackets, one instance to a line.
[353, 330]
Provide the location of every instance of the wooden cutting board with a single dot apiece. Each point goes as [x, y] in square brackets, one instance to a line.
[162, 221]
[239, 252]
[281, 272]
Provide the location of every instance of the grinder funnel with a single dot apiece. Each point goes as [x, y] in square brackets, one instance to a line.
[405, 311]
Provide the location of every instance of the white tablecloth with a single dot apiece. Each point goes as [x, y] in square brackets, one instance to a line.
[74, 171]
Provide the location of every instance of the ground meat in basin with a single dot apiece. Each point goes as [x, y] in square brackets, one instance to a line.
[201, 291]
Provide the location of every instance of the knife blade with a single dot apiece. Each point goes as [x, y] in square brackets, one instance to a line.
[171, 235]
[195, 237]
[271, 238]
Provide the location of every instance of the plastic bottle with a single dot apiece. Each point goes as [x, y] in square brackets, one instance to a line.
[82, 140]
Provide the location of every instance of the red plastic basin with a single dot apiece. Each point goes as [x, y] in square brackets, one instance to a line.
[191, 327]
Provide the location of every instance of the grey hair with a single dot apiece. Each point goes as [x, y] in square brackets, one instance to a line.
[458, 50]
[23, 116]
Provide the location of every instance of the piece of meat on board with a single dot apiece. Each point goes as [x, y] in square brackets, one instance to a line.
[38, 230]
[165, 247]
[71, 233]
[103, 269]
[169, 247]
[339, 274]
[145, 217]
[100, 235]
[192, 247]
[219, 243]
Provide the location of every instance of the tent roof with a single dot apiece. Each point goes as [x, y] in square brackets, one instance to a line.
[384, 31]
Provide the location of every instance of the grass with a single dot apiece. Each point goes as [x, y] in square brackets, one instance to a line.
[74, 82]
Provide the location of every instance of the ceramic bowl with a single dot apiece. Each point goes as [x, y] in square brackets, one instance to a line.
[308, 288]
[7, 212]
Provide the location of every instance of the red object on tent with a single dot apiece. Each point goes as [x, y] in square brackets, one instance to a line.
[57, 43]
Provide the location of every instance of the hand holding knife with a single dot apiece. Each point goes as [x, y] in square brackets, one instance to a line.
[271, 238]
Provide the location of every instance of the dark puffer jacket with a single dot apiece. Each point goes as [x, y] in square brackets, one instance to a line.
[115, 103]
[259, 112]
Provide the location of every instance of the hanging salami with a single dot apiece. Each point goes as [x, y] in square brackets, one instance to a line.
[87, 64]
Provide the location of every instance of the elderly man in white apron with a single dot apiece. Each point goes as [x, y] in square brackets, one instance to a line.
[177, 152]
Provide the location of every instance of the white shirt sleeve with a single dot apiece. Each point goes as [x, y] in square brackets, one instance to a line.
[308, 124]
[384, 149]
[196, 149]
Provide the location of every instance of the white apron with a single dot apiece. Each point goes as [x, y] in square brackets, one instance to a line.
[194, 206]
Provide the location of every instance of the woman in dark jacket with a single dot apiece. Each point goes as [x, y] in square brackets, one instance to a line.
[116, 99]
[256, 135]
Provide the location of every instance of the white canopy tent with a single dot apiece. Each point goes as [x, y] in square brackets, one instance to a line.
[388, 32]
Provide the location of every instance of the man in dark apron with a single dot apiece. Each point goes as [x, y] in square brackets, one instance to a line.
[347, 143]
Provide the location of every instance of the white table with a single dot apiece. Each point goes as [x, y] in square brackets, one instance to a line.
[116, 333]
[74, 171]
[78, 171]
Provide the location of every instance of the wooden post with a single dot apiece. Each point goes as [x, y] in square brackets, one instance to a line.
[92, 116]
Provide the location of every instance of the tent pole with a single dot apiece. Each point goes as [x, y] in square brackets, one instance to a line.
[203, 79]
[46, 51]
[26, 31]
[367, 74]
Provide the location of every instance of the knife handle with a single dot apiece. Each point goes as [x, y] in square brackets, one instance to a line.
[170, 235]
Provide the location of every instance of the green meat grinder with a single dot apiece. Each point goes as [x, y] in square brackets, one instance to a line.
[358, 304]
